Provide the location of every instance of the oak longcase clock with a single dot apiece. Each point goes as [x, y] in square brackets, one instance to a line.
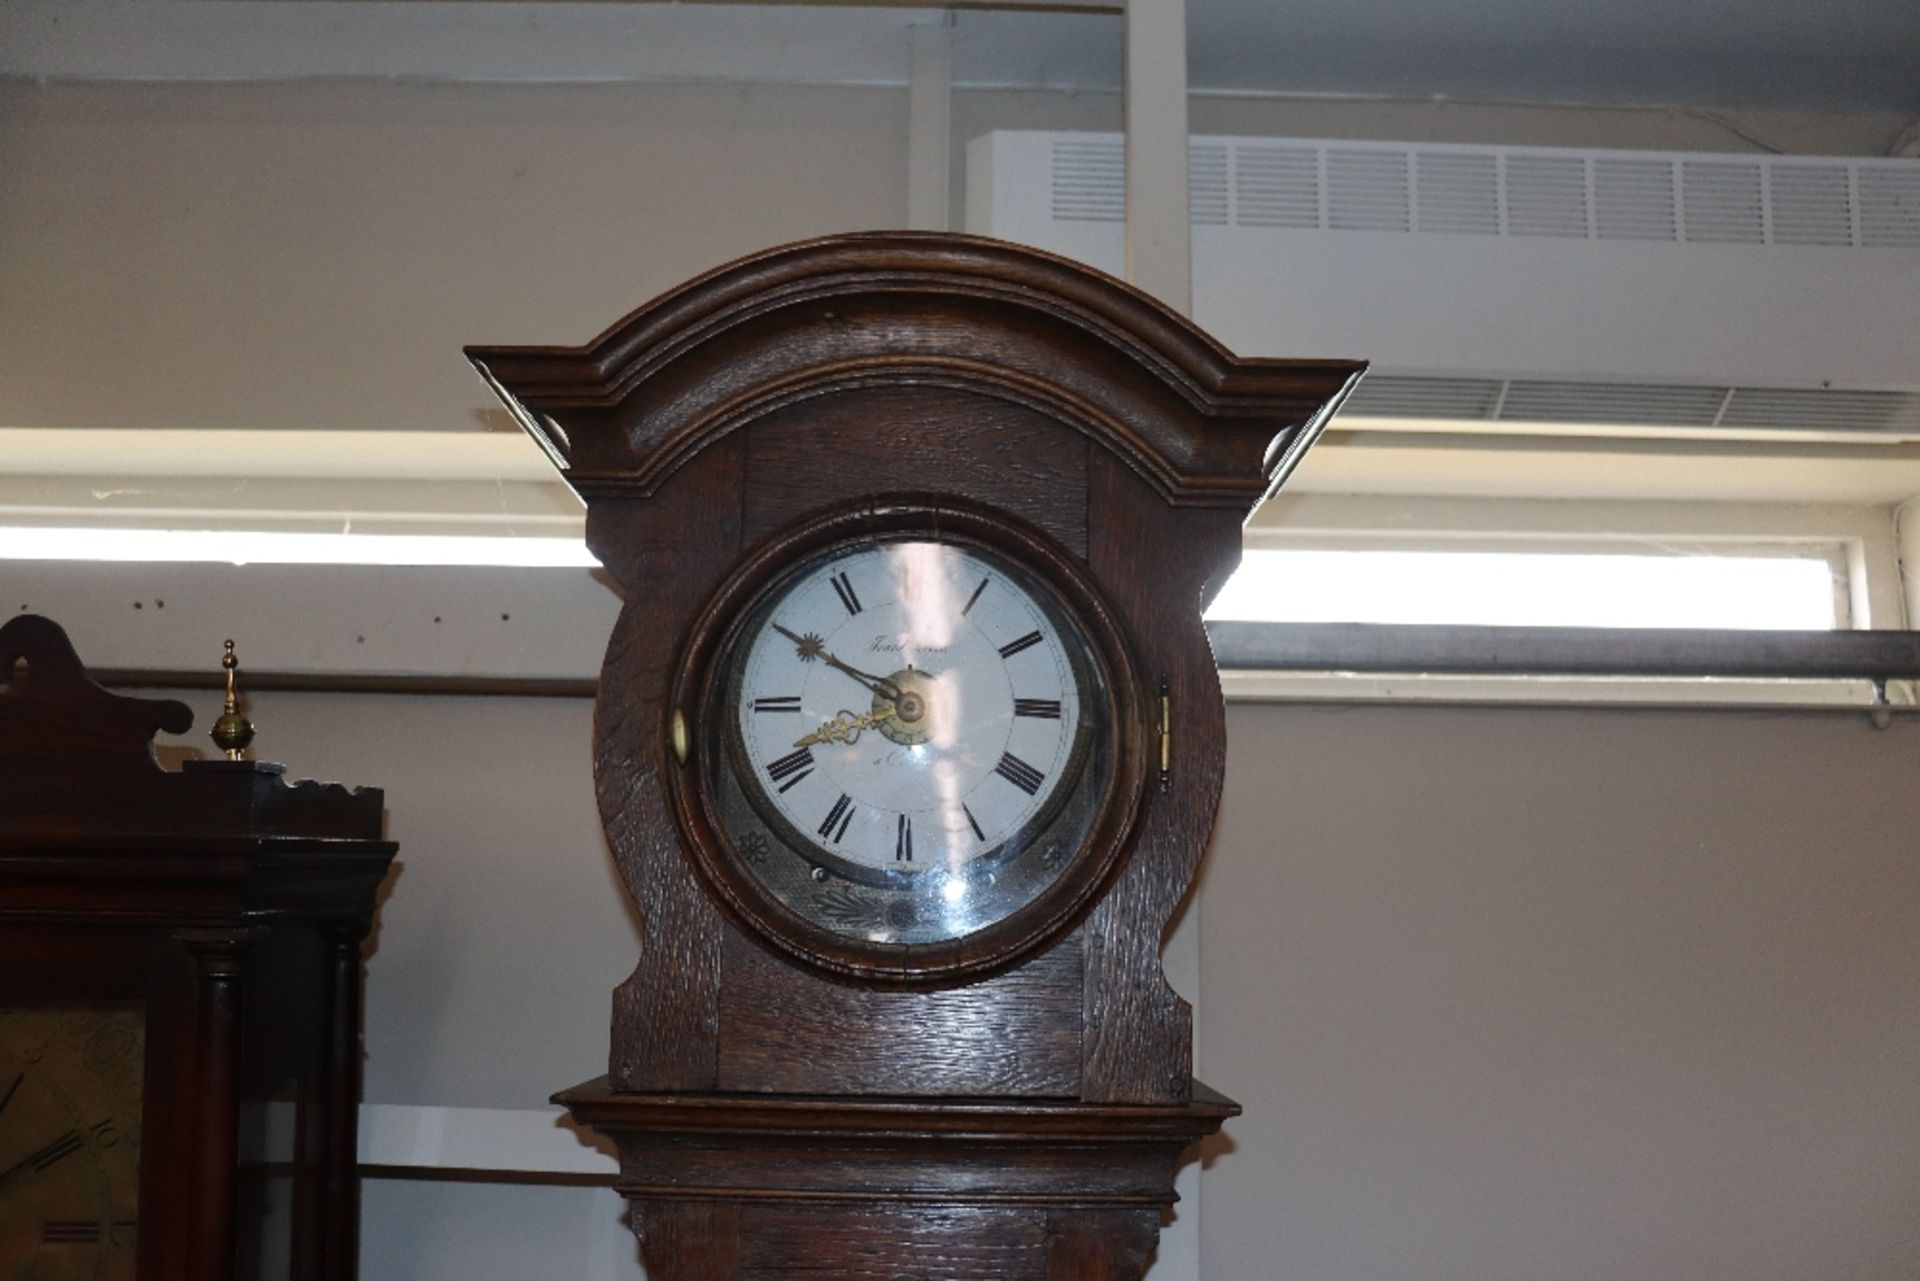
[907, 744]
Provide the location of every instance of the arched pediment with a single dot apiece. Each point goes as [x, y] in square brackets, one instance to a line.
[626, 410]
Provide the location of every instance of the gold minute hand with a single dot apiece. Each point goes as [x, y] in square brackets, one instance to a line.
[809, 650]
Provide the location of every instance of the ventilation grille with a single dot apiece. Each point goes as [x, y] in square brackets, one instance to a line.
[1886, 414]
[1513, 191]
[1458, 192]
[1724, 203]
[1276, 186]
[1089, 181]
[1207, 183]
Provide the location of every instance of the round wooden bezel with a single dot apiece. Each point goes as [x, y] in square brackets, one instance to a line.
[1087, 871]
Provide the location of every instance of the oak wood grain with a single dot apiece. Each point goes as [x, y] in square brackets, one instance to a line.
[1100, 1243]
[690, 1240]
[669, 553]
[960, 1189]
[896, 439]
[786, 1032]
[876, 1242]
[841, 302]
[1139, 1032]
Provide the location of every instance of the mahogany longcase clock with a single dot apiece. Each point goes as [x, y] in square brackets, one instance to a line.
[180, 993]
[908, 743]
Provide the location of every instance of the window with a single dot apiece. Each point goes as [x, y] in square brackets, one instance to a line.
[1784, 586]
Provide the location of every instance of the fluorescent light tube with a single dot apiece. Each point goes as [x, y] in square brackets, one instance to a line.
[258, 547]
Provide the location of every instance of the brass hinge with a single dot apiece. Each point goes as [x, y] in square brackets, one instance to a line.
[1166, 734]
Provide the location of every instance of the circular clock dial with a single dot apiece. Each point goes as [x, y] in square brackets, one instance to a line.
[910, 727]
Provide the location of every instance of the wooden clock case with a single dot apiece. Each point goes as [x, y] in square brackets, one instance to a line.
[228, 906]
[1012, 1105]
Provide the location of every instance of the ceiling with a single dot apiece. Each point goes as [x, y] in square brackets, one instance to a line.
[1798, 54]
[1842, 55]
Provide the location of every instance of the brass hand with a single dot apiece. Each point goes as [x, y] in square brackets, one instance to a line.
[844, 728]
[878, 684]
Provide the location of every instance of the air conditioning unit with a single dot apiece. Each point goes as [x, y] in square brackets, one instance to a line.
[1528, 287]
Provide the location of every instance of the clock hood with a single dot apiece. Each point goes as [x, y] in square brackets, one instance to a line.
[678, 374]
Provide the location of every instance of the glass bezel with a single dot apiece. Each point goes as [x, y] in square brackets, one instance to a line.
[1061, 855]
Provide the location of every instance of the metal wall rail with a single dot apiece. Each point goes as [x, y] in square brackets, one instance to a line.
[1321, 647]
[1567, 651]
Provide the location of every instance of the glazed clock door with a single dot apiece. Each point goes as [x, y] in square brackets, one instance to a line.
[911, 718]
[912, 739]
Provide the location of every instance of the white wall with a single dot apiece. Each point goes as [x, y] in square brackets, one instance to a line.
[1507, 992]
[1532, 993]
[315, 254]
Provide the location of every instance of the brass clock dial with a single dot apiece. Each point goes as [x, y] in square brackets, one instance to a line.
[70, 1085]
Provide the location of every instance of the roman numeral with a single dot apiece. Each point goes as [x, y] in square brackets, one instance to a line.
[781, 704]
[968, 607]
[1046, 709]
[791, 768]
[70, 1232]
[973, 822]
[903, 840]
[1019, 773]
[1013, 647]
[844, 587]
[58, 1150]
[837, 819]
[8, 1096]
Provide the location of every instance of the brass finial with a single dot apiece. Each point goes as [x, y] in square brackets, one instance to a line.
[232, 732]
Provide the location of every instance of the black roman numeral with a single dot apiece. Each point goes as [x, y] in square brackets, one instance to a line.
[58, 1150]
[973, 822]
[791, 768]
[844, 586]
[837, 819]
[781, 704]
[1046, 709]
[70, 1232]
[903, 840]
[968, 607]
[1019, 773]
[1013, 647]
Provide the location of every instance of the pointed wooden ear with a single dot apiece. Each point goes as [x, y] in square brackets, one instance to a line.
[50, 706]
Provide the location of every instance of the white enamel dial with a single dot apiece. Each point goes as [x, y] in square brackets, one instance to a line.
[907, 707]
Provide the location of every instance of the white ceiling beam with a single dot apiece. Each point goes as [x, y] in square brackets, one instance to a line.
[930, 126]
[513, 41]
[507, 456]
[1906, 519]
[113, 471]
[1159, 231]
[241, 40]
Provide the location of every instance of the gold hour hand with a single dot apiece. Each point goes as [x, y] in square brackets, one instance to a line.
[844, 728]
